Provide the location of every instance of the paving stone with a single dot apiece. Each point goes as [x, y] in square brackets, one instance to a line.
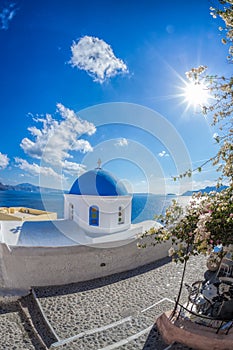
[132, 300]
[81, 307]
[72, 309]
[15, 332]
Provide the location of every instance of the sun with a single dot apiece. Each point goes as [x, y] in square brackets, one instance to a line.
[196, 94]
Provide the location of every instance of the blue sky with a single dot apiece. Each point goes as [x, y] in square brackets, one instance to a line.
[100, 79]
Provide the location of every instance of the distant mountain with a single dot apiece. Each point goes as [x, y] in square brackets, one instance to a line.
[26, 187]
[5, 187]
[207, 189]
[32, 188]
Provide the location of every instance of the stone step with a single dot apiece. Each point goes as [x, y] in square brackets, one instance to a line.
[135, 331]
[71, 309]
[111, 312]
[37, 322]
[16, 331]
[131, 330]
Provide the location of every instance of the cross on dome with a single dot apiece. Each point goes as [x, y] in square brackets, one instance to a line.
[99, 163]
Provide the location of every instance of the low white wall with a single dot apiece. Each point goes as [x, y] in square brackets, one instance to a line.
[24, 267]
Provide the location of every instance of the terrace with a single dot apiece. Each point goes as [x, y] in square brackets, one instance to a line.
[25, 214]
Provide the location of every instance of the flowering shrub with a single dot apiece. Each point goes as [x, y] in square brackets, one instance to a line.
[205, 222]
[221, 90]
[214, 261]
[208, 219]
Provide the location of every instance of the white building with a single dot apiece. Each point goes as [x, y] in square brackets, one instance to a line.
[99, 203]
[95, 238]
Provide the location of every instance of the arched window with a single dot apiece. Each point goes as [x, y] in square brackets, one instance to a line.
[94, 216]
[121, 215]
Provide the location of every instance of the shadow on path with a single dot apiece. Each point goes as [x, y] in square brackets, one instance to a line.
[50, 291]
[155, 341]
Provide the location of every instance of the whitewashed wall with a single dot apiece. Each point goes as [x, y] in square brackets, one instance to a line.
[108, 211]
[23, 267]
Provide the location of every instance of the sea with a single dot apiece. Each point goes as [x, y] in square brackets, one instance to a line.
[144, 206]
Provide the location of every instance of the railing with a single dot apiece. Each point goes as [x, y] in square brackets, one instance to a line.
[210, 302]
[203, 320]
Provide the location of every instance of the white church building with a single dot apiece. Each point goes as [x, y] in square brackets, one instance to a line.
[99, 203]
[96, 238]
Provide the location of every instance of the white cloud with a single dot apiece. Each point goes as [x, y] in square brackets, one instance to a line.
[56, 139]
[36, 169]
[163, 154]
[4, 161]
[6, 15]
[122, 142]
[96, 57]
[73, 168]
[197, 185]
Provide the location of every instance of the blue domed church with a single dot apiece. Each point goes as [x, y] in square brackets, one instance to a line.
[98, 202]
[97, 214]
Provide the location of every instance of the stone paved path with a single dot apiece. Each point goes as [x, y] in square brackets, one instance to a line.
[115, 312]
[15, 330]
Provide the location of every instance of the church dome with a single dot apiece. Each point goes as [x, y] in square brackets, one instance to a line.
[98, 182]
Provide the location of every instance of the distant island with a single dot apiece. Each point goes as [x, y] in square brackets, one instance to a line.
[27, 187]
[207, 189]
[32, 188]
